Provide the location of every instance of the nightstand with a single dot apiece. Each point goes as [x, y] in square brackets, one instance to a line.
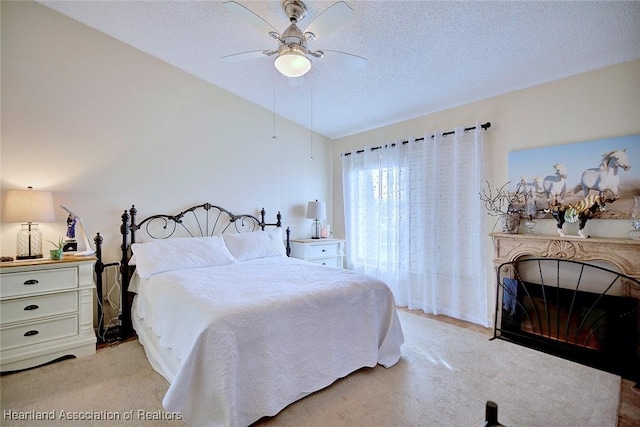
[329, 252]
[46, 311]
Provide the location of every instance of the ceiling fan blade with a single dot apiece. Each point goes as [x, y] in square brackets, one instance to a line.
[251, 18]
[333, 17]
[343, 59]
[244, 56]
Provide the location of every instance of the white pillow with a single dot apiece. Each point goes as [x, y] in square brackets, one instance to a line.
[134, 283]
[179, 253]
[257, 244]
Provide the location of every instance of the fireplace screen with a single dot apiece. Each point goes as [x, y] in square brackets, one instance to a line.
[578, 311]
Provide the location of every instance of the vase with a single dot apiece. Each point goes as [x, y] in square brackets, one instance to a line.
[635, 216]
[510, 223]
[56, 253]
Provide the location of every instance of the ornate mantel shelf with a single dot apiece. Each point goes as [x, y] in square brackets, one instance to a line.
[623, 253]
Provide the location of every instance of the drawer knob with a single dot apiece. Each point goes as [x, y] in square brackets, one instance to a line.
[324, 250]
[31, 307]
[31, 282]
[30, 333]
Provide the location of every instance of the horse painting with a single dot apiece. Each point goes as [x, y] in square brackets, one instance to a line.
[606, 176]
[556, 185]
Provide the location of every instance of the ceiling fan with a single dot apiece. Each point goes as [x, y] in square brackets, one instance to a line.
[293, 56]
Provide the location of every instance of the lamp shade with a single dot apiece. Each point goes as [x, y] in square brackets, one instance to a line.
[316, 210]
[28, 206]
[292, 63]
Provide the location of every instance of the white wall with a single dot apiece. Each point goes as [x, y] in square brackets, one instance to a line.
[600, 104]
[104, 126]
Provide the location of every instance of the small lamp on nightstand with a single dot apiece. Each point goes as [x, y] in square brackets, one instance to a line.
[316, 211]
[28, 206]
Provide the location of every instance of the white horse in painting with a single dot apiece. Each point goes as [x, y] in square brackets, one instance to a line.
[535, 185]
[527, 187]
[606, 176]
[556, 185]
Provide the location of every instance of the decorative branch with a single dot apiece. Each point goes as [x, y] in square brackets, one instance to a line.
[501, 202]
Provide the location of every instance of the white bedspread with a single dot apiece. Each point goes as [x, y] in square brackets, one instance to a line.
[253, 337]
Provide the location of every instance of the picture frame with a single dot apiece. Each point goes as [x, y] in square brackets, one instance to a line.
[565, 174]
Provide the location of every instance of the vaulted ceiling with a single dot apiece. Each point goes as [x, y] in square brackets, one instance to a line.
[422, 56]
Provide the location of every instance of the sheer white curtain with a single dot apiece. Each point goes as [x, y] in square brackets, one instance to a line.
[414, 219]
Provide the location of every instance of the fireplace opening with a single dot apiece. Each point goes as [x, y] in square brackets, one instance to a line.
[578, 311]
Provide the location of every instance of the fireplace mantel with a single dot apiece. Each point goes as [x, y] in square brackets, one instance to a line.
[623, 253]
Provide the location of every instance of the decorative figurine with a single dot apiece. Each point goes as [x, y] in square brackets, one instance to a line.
[580, 212]
[70, 243]
[71, 227]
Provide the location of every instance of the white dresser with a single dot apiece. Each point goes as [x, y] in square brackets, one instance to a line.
[329, 252]
[46, 311]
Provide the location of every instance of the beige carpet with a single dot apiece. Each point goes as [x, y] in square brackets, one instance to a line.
[444, 378]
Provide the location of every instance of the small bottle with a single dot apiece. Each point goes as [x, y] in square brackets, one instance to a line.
[491, 415]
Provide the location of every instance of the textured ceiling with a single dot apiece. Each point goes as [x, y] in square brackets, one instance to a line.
[422, 56]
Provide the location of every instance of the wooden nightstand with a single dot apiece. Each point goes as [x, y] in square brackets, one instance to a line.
[46, 311]
[329, 252]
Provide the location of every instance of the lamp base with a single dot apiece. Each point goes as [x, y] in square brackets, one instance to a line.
[315, 229]
[29, 256]
[29, 242]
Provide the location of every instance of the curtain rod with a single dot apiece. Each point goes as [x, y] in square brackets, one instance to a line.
[484, 126]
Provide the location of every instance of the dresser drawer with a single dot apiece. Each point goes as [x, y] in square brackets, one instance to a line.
[31, 282]
[329, 262]
[37, 332]
[25, 309]
[324, 250]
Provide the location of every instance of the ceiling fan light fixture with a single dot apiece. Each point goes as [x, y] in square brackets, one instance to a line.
[292, 63]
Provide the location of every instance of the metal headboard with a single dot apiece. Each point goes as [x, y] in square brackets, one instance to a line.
[196, 221]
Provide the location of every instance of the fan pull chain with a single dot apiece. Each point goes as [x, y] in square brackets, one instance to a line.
[311, 125]
[274, 136]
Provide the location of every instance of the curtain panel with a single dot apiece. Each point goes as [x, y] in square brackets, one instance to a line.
[414, 220]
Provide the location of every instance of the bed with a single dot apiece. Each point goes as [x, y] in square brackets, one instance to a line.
[239, 329]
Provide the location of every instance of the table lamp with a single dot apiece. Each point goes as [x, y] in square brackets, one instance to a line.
[316, 211]
[28, 206]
